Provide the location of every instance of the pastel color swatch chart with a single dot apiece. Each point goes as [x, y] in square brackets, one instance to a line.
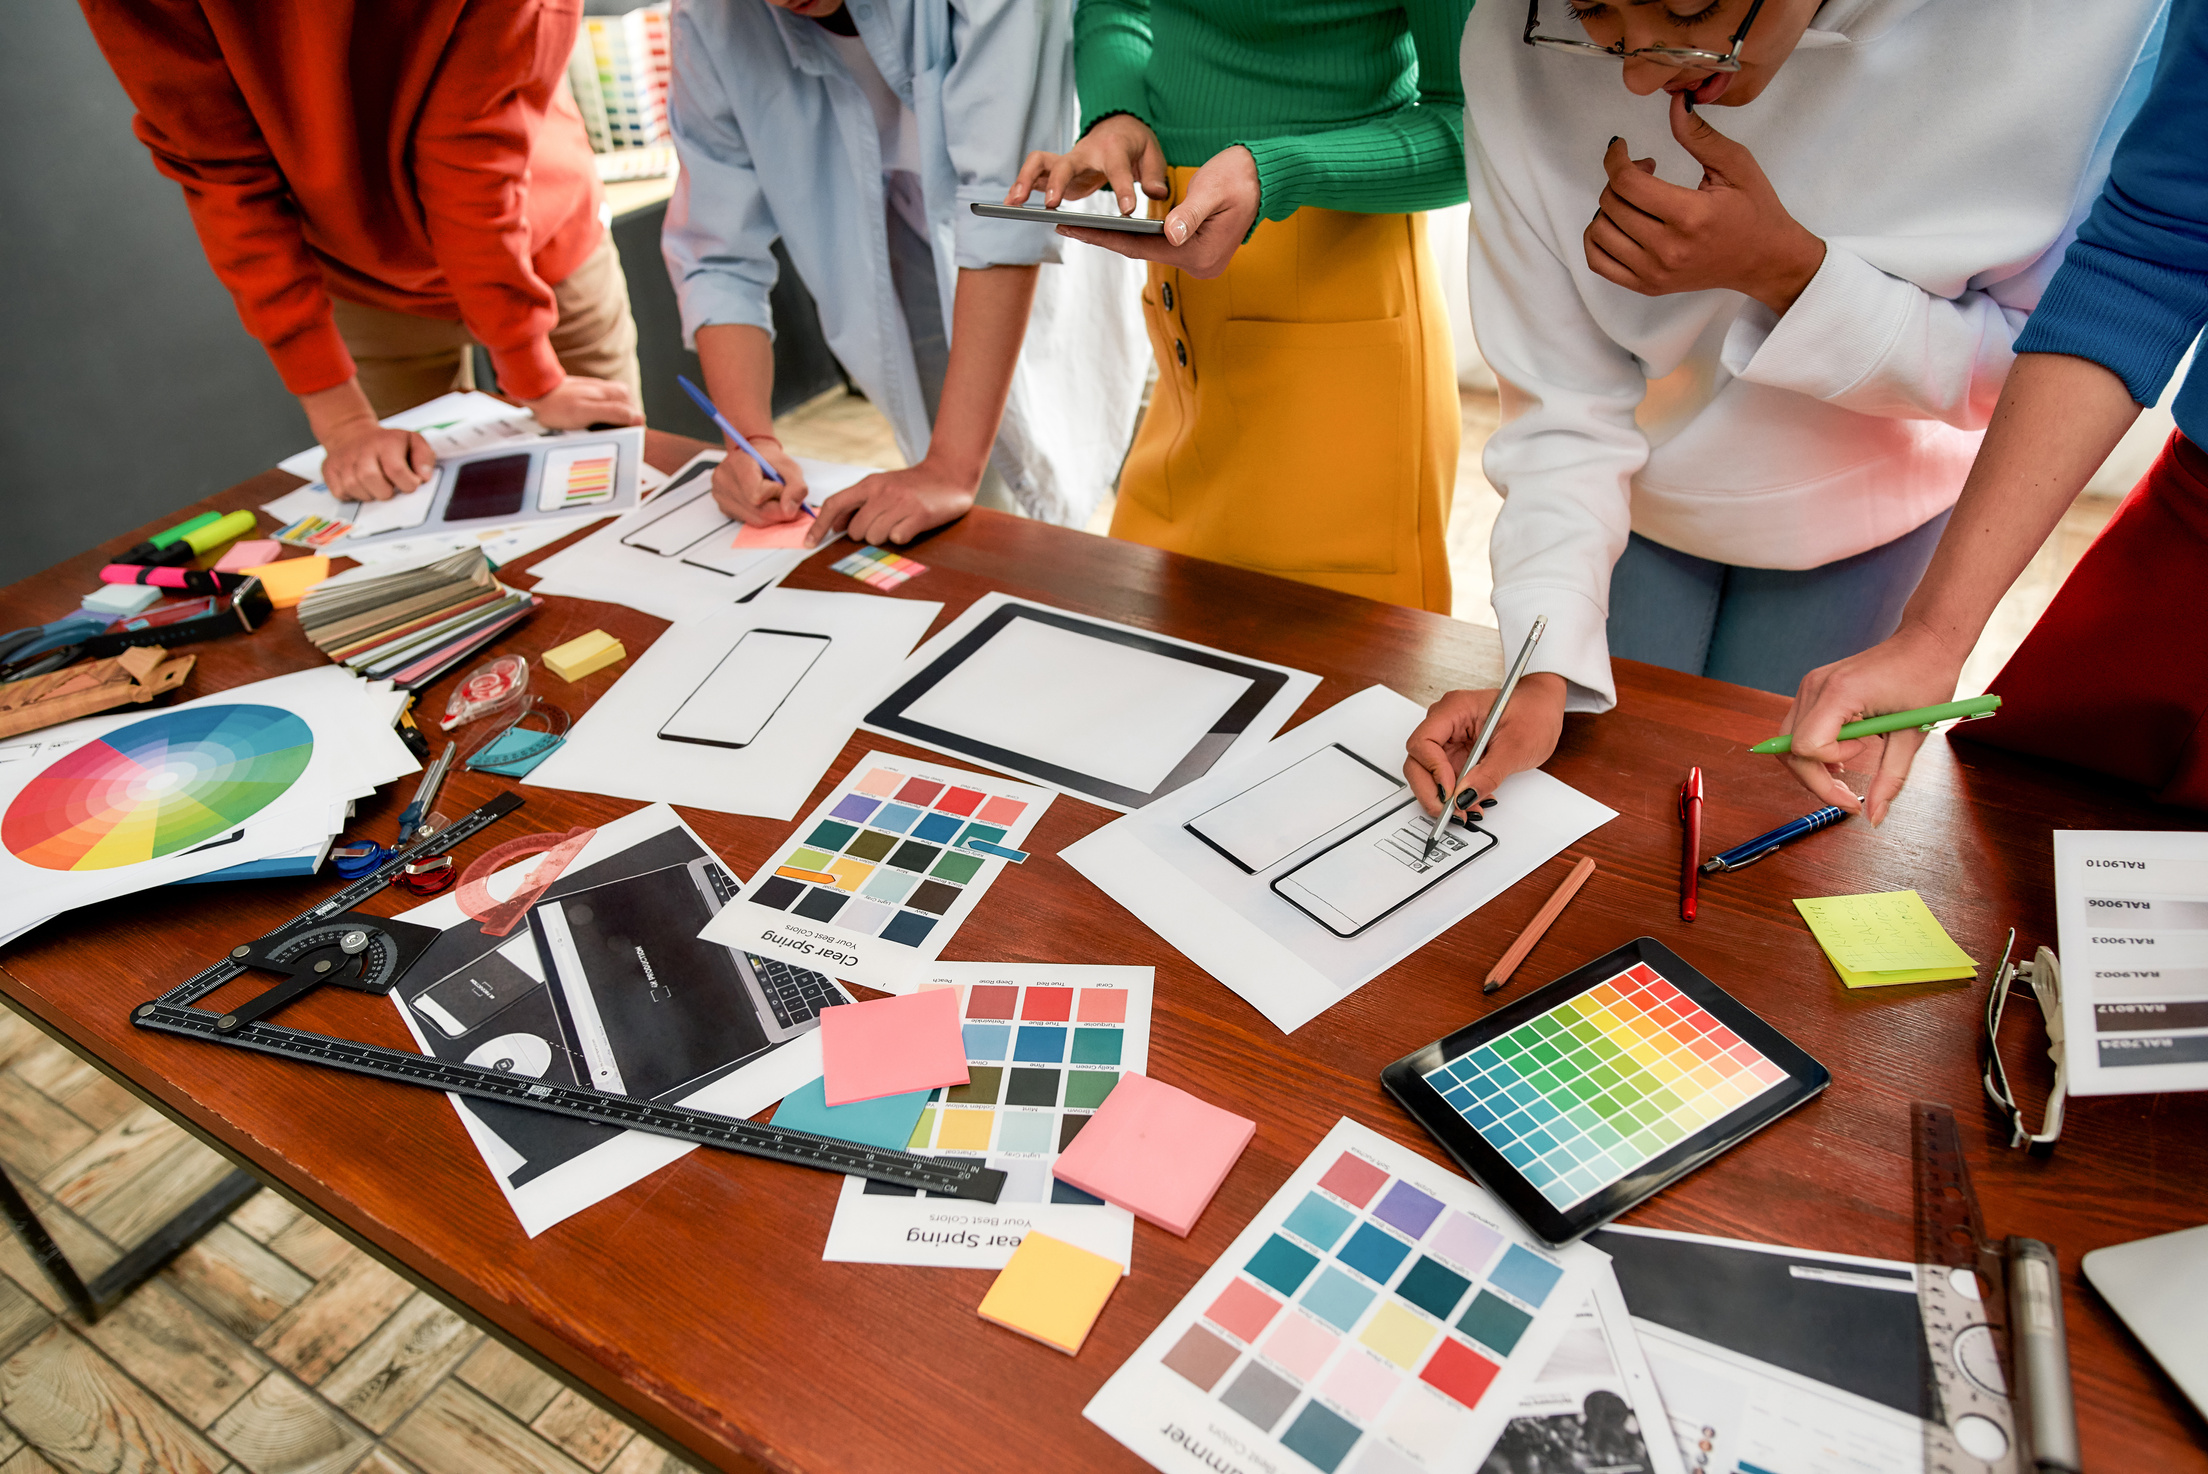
[1586, 1093]
[1045, 1045]
[880, 875]
[879, 567]
[1380, 1316]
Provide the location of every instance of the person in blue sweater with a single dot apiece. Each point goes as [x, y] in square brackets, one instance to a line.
[2114, 677]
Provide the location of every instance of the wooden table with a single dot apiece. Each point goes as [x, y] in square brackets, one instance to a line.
[697, 1303]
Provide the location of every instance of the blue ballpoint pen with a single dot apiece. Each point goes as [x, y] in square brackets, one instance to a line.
[1763, 844]
[736, 436]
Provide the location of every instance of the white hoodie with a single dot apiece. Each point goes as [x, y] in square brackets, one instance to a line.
[1945, 150]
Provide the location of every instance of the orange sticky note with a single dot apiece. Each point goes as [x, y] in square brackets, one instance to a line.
[776, 535]
[891, 1045]
[1158, 1152]
[287, 582]
[1050, 1290]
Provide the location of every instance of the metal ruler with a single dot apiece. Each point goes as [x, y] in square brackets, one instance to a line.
[330, 944]
[1961, 1295]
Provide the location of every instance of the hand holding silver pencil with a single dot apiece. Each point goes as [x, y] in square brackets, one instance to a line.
[1487, 733]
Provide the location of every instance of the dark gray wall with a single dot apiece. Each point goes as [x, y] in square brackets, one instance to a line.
[127, 386]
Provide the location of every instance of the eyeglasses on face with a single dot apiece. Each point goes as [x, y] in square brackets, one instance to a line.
[1727, 60]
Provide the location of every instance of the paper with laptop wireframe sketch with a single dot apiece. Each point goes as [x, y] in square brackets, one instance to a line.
[1298, 875]
[873, 883]
[1380, 1313]
[679, 557]
[574, 995]
[1093, 708]
[1046, 1043]
[741, 711]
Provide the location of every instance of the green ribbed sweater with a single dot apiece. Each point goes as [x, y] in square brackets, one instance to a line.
[1345, 104]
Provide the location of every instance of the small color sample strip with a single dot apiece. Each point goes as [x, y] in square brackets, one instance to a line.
[890, 859]
[313, 532]
[1372, 1309]
[1603, 1082]
[1039, 1060]
[588, 481]
[879, 567]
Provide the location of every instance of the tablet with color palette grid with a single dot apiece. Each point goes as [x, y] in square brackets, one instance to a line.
[1608, 1085]
[1045, 1044]
[1380, 1315]
[878, 877]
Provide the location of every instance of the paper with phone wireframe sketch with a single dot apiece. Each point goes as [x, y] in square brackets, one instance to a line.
[1091, 707]
[549, 1167]
[678, 557]
[1182, 865]
[667, 731]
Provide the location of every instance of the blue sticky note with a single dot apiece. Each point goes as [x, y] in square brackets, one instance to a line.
[884, 1122]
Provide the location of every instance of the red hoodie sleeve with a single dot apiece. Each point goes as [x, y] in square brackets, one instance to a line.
[194, 120]
[501, 70]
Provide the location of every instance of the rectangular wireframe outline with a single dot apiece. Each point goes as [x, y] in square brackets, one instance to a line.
[1235, 860]
[1439, 874]
[825, 641]
[668, 507]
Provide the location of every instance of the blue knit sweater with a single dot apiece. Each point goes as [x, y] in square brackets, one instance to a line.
[2132, 292]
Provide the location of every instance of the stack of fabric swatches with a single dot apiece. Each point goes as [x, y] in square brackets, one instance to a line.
[879, 567]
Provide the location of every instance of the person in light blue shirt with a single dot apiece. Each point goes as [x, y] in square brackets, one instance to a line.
[858, 132]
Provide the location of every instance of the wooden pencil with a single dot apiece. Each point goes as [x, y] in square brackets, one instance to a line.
[1548, 913]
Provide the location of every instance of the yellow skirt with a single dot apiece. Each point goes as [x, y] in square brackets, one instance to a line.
[1305, 420]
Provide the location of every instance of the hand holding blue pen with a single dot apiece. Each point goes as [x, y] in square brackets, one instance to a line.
[736, 437]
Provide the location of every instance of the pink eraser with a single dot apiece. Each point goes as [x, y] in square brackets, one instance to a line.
[1158, 1152]
[892, 1045]
[251, 553]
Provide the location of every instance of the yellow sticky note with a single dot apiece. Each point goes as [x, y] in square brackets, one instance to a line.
[1051, 1291]
[287, 581]
[1885, 938]
[584, 654]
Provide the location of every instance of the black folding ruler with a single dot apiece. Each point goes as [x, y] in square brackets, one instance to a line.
[332, 943]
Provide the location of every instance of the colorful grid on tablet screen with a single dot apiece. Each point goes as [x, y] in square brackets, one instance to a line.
[1603, 1082]
[890, 859]
[1373, 1316]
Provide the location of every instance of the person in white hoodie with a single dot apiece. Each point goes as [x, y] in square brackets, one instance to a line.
[1748, 336]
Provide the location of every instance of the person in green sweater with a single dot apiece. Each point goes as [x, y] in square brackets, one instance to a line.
[1305, 420]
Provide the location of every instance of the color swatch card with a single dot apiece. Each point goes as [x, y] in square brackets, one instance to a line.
[1045, 1045]
[879, 876]
[1298, 875]
[1380, 1315]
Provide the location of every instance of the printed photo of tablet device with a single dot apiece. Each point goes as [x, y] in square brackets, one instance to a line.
[1582, 1098]
[489, 488]
[739, 696]
[1129, 224]
[1374, 870]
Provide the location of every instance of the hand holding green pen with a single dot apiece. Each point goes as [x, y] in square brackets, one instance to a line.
[1926, 717]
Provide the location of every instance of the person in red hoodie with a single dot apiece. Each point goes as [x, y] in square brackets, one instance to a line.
[381, 185]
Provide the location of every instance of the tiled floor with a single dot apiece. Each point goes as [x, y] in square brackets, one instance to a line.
[273, 1346]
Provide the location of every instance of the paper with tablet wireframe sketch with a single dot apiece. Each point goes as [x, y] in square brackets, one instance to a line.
[741, 711]
[1045, 1044]
[1093, 708]
[1297, 876]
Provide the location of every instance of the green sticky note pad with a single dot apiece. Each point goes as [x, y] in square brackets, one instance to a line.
[1884, 938]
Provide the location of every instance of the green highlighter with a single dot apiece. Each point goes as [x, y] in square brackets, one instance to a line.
[1926, 717]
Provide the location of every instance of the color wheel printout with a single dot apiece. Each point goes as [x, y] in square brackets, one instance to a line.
[875, 880]
[1100, 710]
[1045, 1045]
[1297, 875]
[1381, 1315]
[2133, 911]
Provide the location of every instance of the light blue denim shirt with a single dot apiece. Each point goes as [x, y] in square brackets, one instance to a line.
[778, 141]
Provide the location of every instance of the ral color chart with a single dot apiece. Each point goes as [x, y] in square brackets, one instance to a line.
[1381, 1315]
[882, 872]
[1045, 1044]
[1583, 1094]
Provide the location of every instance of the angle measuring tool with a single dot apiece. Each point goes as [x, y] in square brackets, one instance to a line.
[332, 943]
[1981, 1342]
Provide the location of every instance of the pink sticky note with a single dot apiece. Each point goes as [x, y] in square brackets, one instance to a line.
[776, 535]
[1158, 1152]
[250, 554]
[892, 1045]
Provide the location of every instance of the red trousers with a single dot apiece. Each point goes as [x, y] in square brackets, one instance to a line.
[2114, 677]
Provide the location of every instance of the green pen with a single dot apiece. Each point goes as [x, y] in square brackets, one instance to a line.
[1926, 717]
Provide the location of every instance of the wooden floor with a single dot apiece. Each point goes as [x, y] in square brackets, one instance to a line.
[274, 1347]
[271, 1347]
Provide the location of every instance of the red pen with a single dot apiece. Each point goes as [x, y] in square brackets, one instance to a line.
[1690, 857]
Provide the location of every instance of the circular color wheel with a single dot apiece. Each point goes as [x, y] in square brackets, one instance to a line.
[156, 787]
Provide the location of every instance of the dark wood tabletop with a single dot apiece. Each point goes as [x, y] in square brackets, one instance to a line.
[697, 1302]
